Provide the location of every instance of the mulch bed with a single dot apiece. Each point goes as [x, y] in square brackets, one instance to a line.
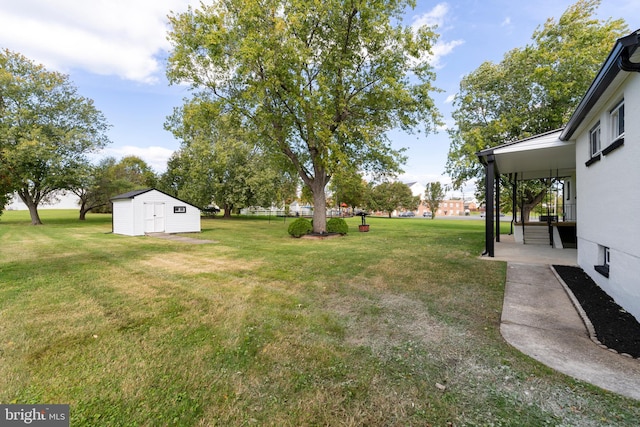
[614, 327]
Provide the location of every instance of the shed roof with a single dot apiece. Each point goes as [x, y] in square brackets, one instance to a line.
[133, 194]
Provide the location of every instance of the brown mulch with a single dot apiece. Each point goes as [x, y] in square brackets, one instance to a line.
[614, 327]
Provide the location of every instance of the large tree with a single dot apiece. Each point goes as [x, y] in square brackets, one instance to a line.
[532, 90]
[46, 131]
[321, 81]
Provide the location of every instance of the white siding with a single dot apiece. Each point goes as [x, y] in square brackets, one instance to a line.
[608, 201]
[123, 217]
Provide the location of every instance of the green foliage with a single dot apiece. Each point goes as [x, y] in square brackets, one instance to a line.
[46, 131]
[300, 227]
[219, 161]
[532, 90]
[95, 185]
[318, 82]
[433, 194]
[337, 225]
[348, 187]
[389, 196]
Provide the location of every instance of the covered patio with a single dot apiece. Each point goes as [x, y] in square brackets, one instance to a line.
[543, 156]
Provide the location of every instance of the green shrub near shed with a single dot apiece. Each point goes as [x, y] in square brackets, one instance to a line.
[300, 227]
[337, 225]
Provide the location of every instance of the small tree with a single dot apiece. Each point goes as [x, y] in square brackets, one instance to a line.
[348, 187]
[433, 194]
[389, 196]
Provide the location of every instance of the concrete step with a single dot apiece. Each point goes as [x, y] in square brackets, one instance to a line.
[536, 236]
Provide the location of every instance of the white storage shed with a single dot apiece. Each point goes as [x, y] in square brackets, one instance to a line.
[151, 211]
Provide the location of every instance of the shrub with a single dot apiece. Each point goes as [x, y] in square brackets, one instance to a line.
[300, 227]
[337, 225]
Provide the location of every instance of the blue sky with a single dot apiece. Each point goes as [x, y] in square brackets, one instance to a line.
[114, 52]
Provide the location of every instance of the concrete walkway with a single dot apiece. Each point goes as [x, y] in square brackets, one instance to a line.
[539, 319]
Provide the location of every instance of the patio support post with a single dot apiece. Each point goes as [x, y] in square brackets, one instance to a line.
[489, 180]
[514, 207]
[497, 186]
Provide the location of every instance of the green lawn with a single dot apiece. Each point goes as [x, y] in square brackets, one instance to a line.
[395, 327]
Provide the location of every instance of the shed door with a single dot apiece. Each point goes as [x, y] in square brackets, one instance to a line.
[154, 217]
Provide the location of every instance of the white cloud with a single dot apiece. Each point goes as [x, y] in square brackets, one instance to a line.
[450, 99]
[155, 157]
[119, 37]
[442, 49]
[506, 22]
[435, 16]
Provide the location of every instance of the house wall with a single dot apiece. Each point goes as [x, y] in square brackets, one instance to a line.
[187, 222]
[603, 220]
[123, 217]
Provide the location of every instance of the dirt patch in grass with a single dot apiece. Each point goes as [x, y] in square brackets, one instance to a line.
[387, 321]
[184, 263]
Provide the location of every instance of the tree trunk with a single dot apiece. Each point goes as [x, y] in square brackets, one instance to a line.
[33, 207]
[83, 211]
[319, 207]
[35, 217]
[227, 211]
[530, 204]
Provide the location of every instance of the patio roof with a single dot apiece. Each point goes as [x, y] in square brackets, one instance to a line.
[540, 156]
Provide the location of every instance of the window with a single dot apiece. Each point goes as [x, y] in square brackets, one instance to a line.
[179, 209]
[594, 140]
[617, 121]
[605, 259]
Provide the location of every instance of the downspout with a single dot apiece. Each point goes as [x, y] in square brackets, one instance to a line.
[497, 189]
[514, 205]
[625, 64]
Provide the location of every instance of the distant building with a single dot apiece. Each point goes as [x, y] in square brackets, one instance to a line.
[63, 201]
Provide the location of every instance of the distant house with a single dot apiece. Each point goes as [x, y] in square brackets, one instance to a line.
[151, 211]
[596, 156]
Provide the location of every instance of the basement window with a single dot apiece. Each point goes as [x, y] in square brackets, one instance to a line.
[605, 257]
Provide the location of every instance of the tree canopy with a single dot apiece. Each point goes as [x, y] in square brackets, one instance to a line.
[95, 185]
[534, 89]
[389, 196]
[320, 81]
[219, 161]
[46, 131]
[434, 194]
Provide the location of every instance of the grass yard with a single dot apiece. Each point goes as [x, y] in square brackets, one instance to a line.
[395, 327]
